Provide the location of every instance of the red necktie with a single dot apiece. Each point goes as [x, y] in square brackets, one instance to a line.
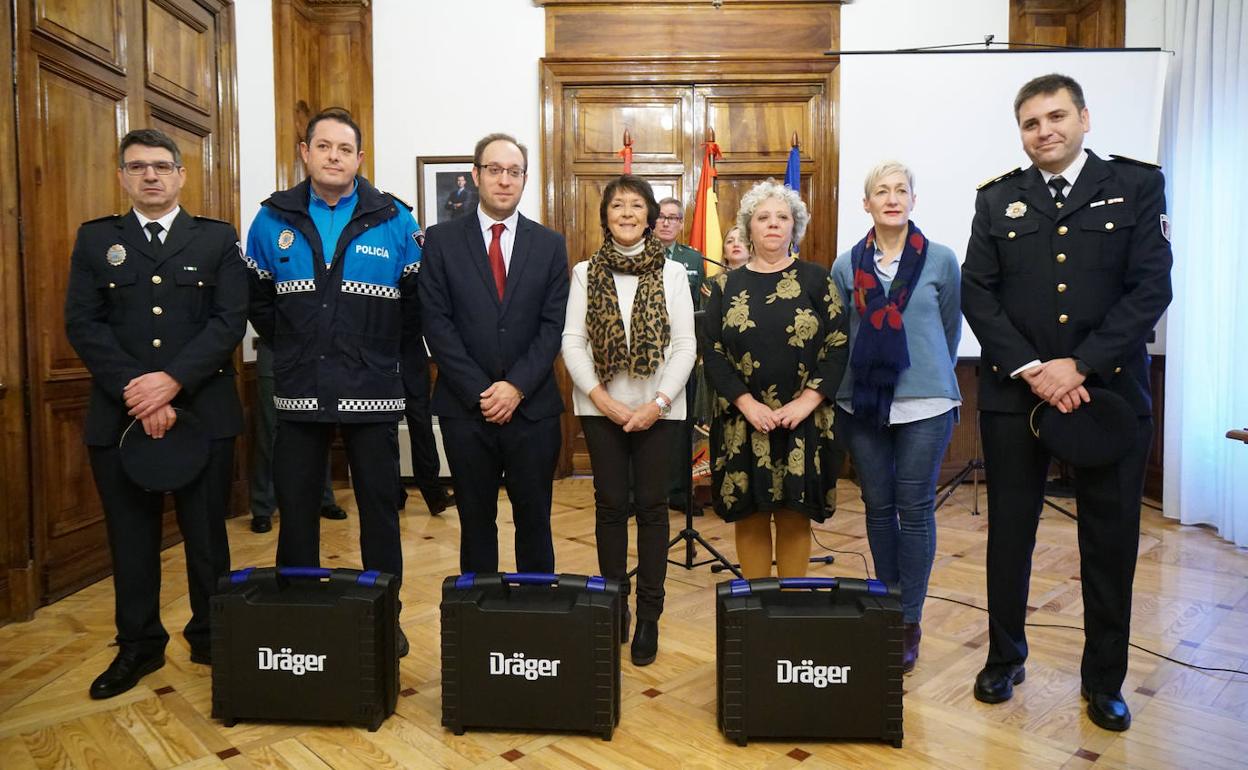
[496, 257]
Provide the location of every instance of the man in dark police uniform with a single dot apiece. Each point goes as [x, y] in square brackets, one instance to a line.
[157, 302]
[1067, 271]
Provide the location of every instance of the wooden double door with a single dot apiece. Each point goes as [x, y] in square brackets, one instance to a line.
[87, 71]
[753, 108]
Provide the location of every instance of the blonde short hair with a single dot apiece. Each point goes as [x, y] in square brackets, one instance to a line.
[760, 192]
[887, 168]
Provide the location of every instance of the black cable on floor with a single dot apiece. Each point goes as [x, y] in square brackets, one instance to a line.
[867, 571]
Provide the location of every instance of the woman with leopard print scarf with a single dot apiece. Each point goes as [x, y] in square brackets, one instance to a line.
[629, 345]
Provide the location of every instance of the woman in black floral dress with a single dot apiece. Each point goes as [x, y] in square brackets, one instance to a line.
[776, 334]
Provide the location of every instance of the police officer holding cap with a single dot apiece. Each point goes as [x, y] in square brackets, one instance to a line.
[157, 302]
[1066, 273]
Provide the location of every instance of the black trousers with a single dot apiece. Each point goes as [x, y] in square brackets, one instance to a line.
[132, 516]
[299, 456]
[263, 498]
[1108, 499]
[425, 463]
[520, 455]
[681, 451]
[615, 456]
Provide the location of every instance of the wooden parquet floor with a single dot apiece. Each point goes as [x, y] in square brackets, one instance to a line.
[1191, 602]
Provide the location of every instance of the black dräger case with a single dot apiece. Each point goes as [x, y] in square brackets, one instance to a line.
[531, 651]
[304, 643]
[819, 659]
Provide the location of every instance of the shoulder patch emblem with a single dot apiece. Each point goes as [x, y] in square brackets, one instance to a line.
[116, 254]
[1165, 227]
[994, 179]
[285, 239]
[419, 237]
[1133, 161]
[1016, 209]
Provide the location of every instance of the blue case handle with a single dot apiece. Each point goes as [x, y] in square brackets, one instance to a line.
[318, 573]
[530, 578]
[814, 583]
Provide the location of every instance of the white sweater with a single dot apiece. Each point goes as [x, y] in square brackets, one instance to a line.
[678, 357]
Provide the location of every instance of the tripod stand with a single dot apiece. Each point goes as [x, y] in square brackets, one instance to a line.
[690, 535]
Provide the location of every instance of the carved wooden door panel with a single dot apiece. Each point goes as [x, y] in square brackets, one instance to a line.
[753, 123]
[89, 71]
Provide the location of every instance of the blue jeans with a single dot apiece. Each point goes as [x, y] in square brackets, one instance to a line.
[897, 467]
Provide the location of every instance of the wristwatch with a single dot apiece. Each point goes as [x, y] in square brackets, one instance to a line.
[665, 406]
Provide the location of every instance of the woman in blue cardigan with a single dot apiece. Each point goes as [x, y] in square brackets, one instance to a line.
[899, 398]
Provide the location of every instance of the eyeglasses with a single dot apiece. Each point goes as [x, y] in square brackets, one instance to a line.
[139, 168]
[494, 171]
[670, 218]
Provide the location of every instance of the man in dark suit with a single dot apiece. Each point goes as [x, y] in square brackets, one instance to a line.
[459, 202]
[157, 302]
[493, 289]
[1067, 272]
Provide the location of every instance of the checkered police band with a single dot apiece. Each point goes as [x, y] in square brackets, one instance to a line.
[252, 265]
[295, 404]
[370, 289]
[370, 404]
[291, 287]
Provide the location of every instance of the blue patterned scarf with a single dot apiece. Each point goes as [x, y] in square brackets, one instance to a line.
[880, 353]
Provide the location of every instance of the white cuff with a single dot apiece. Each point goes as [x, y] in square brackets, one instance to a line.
[1029, 365]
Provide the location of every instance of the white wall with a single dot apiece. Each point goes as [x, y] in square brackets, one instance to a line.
[444, 75]
[890, 24]
[257, 151]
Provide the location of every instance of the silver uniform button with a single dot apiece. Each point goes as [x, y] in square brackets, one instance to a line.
[157, 310]
[156, 343]
[155, 279]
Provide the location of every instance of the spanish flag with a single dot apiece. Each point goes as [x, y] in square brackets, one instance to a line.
[705, 235]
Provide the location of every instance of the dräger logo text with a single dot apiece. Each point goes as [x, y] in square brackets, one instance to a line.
[518, 665]
[372, 251]
[806, 673]
[284, 660]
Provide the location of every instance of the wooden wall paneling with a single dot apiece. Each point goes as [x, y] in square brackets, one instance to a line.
[322, 57]
[794, 30]
[18, 591]
[87, 73]
[1082, 23]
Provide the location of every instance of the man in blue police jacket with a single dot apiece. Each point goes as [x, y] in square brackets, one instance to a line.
[333, 267]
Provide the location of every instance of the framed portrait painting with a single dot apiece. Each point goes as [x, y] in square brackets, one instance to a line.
[444, 188]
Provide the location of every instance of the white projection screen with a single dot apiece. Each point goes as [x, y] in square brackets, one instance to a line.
[950, 118]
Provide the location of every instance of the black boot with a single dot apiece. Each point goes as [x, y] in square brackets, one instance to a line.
[645, 642]
[626, 623]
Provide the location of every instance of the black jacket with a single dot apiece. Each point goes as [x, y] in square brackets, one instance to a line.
[128, 313]
[476, 339]
[1089, 280]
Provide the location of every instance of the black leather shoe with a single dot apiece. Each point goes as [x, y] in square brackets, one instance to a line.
[200, 655]
[645, 642]
[261, 524]
[626, 623]
[403, 646]
[995, 682]
[911, 635]
[439, 503]
[1107, 711]
[333, 511]
[125, 672]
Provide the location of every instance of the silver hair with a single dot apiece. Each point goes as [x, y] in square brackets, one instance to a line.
[760, 192]
[887, 168]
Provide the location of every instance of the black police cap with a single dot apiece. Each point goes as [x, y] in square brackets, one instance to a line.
[169, 463]
[1098, 433]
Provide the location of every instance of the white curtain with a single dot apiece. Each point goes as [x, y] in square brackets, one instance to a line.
[1205, 154]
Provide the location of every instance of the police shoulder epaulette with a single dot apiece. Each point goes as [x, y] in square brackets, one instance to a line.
[105, 218]
[989, 182]
[397, 199]
[1143, 163]
[199, 218]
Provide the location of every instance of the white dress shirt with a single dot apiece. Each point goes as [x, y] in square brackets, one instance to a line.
[165, 222]
[509, 235]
